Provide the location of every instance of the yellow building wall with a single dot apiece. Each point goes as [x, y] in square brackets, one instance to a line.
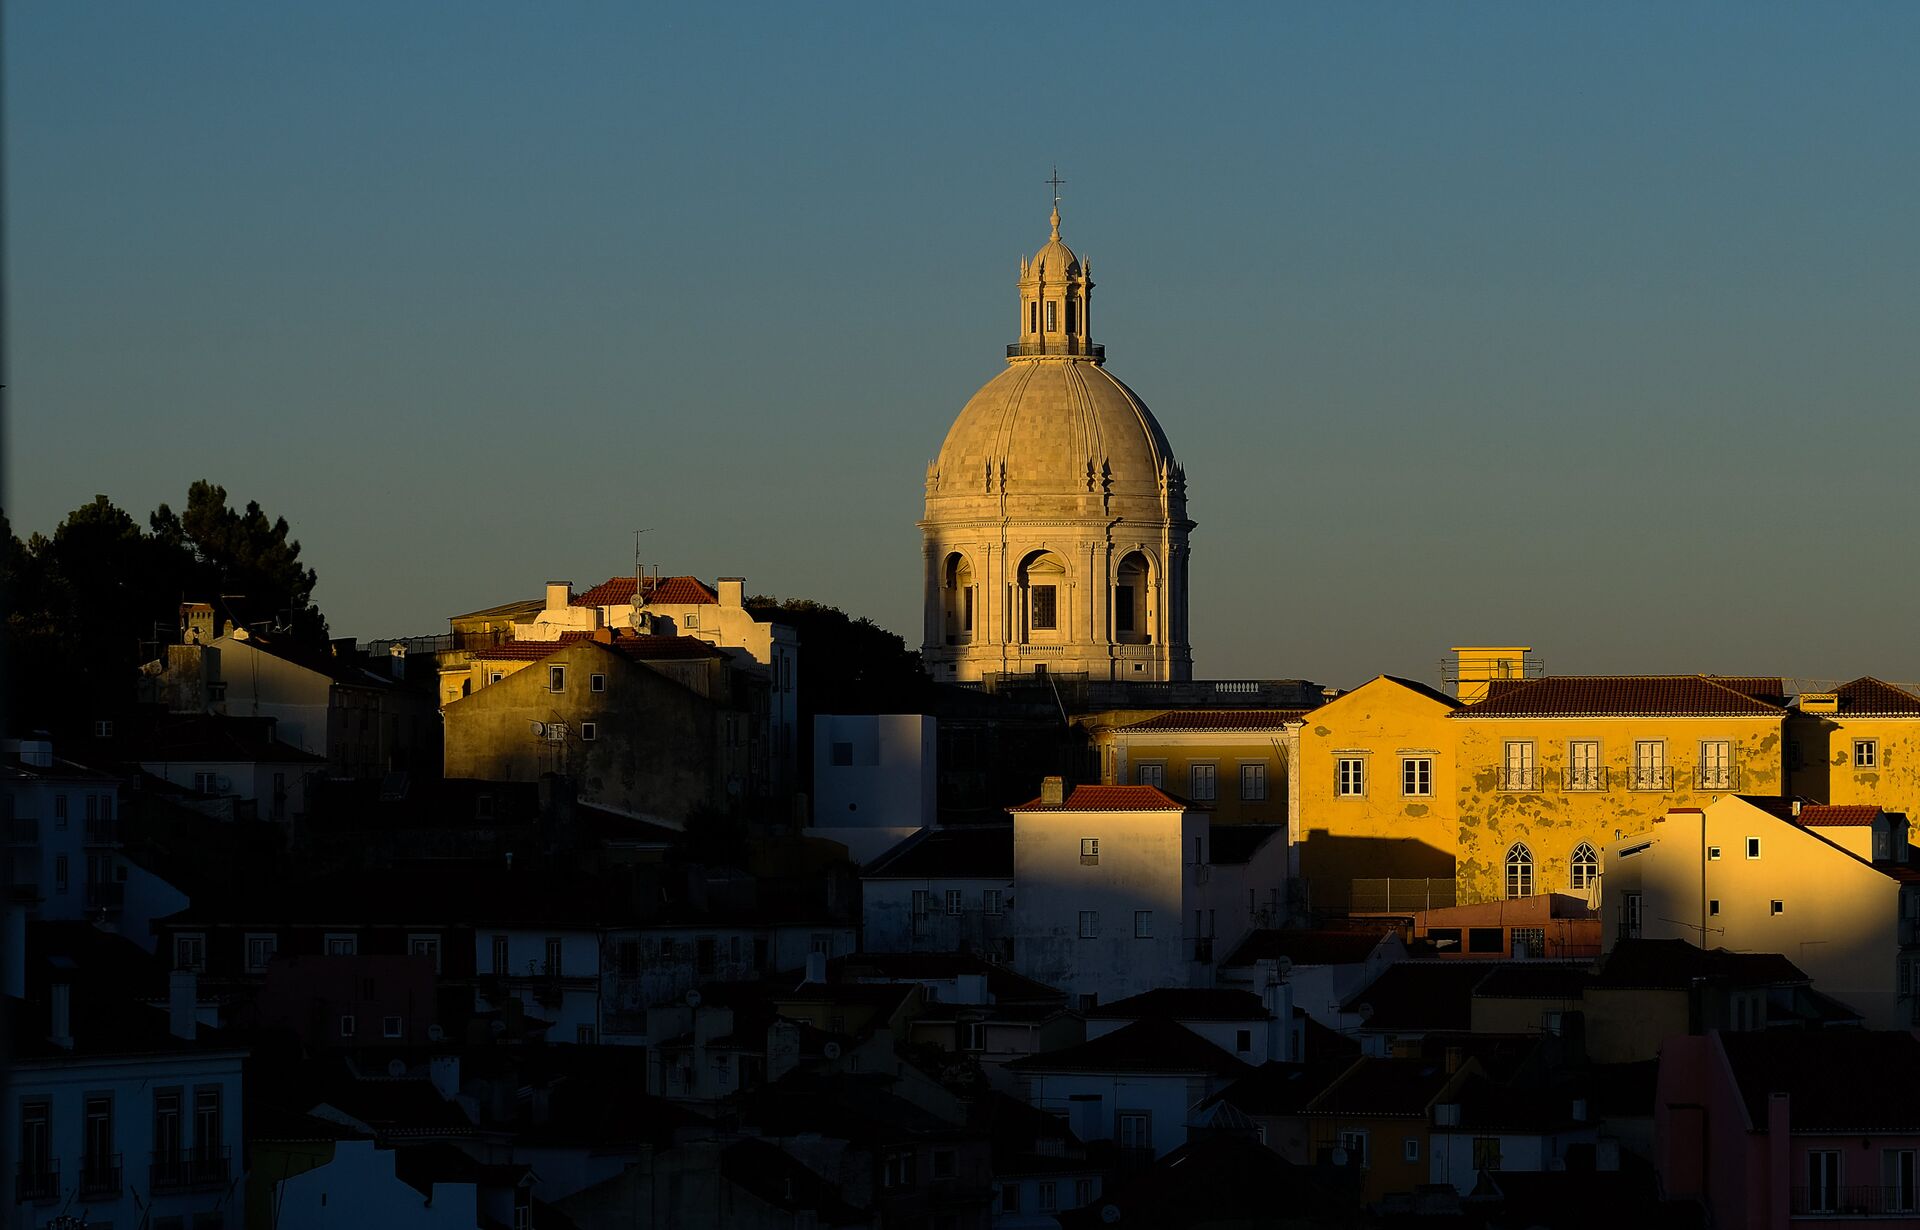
[1553, 820]
[1175, 753]
[1388, 1170]
[1383, 831]
[1824, 769]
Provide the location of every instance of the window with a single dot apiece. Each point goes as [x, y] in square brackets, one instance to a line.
[96, 1158]
[627, 958]
[898, 1169]
[1777, 907]
[1630, 916]
[1123, 608]
[1649, 764]
[973, 1036]
[1823, 1180]
[190, 952]
[59, 811]
[1713, 908]
[1253, 782]
[922, 902]
[1243, 1040]
[1584, 867]
[1486, 939]
[1410, 1149]
[589, 731]
[1049, 1195]
[1153, 775]
[500, 949]
[554, 965]
[1713, 854]
[556, 679]
[1753, 847]
[991, 902]
[1354, 1141]
[1201, 778]
[1866, 753]
[495, 676]
[1045, 615]
[1350, 777]
[1528, 941]
[1583, 765]
[1416, 776]
[953, 900]
[596, 683]
[425, 946]
[1089, 924]
[1519, 870]
[966, 609]
[1053, 316]
[342, 944]
[60, 873]
[1143, 924]
[1517, 769]
[347, 1026]
[1133, 1129]
[1445, 937]
[392, 1027]
[1896, 1181]
[583, 1035]
[1486, 1153]
[1083, 1190]
[842, 755]
[1716, 764]
[260, 950]
[1089, 851]
[1010, 1197]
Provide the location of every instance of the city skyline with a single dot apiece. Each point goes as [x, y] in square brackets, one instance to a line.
[1583, 334]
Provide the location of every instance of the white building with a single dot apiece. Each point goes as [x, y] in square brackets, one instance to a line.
[553, 971]
[1118, 889]
[874, 778]
[941, 890]
[1253, 1028]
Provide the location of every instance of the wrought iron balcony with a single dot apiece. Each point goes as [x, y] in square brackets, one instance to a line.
[37, 1179]
[1716, 777]
[1519, 777]
[1854, 1201]
[1061, 346]
[100, 1177]
[1588, 778]
[1650, 777]
[189, 1170]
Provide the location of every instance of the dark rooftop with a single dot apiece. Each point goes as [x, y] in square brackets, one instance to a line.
[1153, 1045]
[1183, 1003]
[1534, 980]
[1841, 1080]
[1676, 964]
[1400, 1088]
[1413, 996]
[1305, 947]
[966, 852]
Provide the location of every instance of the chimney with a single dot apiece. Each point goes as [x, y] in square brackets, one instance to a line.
[559, 595]
[1053, 792]
[60, 1024]
[183, 1001]
[817, 968]
[1796, 809]
[733, 592]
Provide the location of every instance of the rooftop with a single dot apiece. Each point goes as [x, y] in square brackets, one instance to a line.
[1183, 1004]
[961, 852]
[1534, 980]
[658, 591]
[1281, 1088]
[1623, 695]
[1869, 697]
[1219, 720]
[1416, 996]
[1110, 798]
[1847, 1080]
[1306, 947]
[1400, 1088]
[1676, 965]
[1152, 1046]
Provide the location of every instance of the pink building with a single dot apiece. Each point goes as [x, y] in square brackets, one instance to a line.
[1813, 1129]
[352, 1002]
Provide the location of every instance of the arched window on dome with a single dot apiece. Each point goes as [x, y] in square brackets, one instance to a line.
[957, 598]
[1131, 622]
[1519, 870]
[1585, 867]
[1043, 597]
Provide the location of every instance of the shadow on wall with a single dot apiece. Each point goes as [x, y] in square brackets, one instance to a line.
[1330, 864]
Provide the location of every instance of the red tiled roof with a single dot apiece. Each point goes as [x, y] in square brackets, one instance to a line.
[1635, 695]
[1220, 719]
[1830, 816]
[1110, 798]
[1867, 696]
[639, 648]
[528, 651]
[666, 591]
[1770, 688]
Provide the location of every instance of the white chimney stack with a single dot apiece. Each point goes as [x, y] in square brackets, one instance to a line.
[733, 592]
[183, 1004]
[559, 595]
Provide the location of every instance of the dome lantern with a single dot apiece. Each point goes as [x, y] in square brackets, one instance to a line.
[1056, 295]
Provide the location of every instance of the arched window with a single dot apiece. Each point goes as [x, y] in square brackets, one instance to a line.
[956, 599]
[1130, 601]
[1586, 867]
[1519, 870]
[1043, 595]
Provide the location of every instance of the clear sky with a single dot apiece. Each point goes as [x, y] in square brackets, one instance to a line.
[1591, 327]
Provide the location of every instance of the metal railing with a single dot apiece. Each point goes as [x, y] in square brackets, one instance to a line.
[1650, 777]
[189, 1169]
[1519, 777]
[1866, 1200]
[1066, 345]
[99, 1176]
[1587, 778]
[1716, 777]
[1387, 895]
[38, 1179]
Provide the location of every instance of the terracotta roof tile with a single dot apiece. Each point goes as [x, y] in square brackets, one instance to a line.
[1869, 697]
[1770, 688]
[1833, 816]
[1219, 719]
[1110, 798]
[1635, 695]
[639, 648]
[665, 591]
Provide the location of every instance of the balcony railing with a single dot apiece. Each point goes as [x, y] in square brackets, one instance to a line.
[99, 1177]
[1587, 778]
[1716, 777]
[23, 831]
[189, 1170]
[1855, 1201]
[1650, 777]
[1519, 777]
[1065, 345]
[37, 1180]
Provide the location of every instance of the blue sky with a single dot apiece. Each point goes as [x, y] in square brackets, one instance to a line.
[1590, 328]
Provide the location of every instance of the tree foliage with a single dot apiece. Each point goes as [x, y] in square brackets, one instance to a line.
[86, 606]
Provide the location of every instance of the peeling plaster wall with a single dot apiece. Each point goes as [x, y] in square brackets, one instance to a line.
[1824, 770]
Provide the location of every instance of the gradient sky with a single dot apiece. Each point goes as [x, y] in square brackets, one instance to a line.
[1594, 328]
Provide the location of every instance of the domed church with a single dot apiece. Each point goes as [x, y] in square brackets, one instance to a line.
[1056, 526]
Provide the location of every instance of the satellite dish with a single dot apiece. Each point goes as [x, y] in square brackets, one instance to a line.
[435, 1033]
[1110, 1213]
[539, 729]
[693, 999]
[831, 1050]
[396, 1067]
[1339, 1157]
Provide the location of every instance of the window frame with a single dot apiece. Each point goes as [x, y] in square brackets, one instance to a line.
[1151, 773]
[1416, 777]
[430, 938]
[1583, 858]
[1519, 866]
[1350, 777]
[1257, 770]
[1089, 851]
[597, 682]
[1089, 924]
[1203, 781]
[557, 678]
[1584, 778]
[271, 939]
[1143, 924]
[1043, 608]
[1871, 750]
[197, 940]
